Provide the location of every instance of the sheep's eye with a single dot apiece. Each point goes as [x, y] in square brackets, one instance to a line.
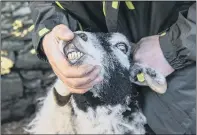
[122, 47]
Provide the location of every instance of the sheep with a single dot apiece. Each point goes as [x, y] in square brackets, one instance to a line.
[110, 107]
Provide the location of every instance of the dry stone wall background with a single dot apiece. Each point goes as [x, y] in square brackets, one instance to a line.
[24, 78]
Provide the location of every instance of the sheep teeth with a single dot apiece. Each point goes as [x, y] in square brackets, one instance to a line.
[74, 55]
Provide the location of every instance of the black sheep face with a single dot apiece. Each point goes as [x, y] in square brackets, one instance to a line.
[112, 52]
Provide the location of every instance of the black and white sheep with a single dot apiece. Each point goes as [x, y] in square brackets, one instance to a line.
[111, 107]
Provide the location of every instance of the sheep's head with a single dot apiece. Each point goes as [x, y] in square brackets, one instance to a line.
[104, 49]
[111, 51]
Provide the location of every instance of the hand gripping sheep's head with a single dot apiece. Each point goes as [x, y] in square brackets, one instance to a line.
[112, 51]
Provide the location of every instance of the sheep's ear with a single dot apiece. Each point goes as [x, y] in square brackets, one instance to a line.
[146, 76]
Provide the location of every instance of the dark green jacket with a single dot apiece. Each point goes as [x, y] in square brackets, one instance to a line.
[173, 112]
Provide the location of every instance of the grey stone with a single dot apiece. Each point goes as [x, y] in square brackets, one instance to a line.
[22, 12]
[29, 75]
[5, 109]
[32, 84]
[24, 19]
[18, 101]
[11, 86]
[26, 48]
[28, 22]
[2, 17]
[6, 105]
[30, 61]
[5, 15]
[6, 21]
[25, 4]
[9, 55]
[5, 7]
[10, 6]
[4, 32]
[15, 5]
[6, 24]
[12, 45]
[32, 91]
[20, 108]
[5, 114]
[11, 76]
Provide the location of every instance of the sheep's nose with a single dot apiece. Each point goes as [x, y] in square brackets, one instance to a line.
[83, 36]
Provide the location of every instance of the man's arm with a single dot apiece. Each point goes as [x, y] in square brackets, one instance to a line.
[179, 43]
[173, 49]
[47, 15]
[51, 25]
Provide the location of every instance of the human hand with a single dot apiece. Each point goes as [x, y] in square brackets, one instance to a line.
[149, 53]
[78, 79]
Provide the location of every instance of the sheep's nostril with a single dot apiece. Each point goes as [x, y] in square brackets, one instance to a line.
[83, 36]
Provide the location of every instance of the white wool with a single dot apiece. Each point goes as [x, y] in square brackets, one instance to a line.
[99, 121]
[51, 119]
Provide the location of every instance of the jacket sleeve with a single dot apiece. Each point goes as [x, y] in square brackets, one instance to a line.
[46, 15]
[178, 43]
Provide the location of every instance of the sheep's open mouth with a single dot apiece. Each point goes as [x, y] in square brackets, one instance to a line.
[73, 53]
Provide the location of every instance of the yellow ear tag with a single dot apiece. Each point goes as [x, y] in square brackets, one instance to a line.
[140, 77]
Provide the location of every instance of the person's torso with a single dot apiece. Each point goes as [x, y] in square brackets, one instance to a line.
[134, 19]
[137, 20]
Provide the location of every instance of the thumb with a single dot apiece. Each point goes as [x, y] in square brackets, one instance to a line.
[62, 32]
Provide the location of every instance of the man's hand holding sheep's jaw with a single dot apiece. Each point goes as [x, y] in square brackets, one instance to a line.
[78, 79]
[149, 53]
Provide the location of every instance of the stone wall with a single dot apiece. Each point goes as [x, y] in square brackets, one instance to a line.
[24, 78]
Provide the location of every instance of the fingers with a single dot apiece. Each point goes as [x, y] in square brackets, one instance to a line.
[86, 82]
[80, 85]
[63, 32]
[91, 84]
[80, 71]
[78, 91]
[78, 79]
[62, 78]
[72, 89]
